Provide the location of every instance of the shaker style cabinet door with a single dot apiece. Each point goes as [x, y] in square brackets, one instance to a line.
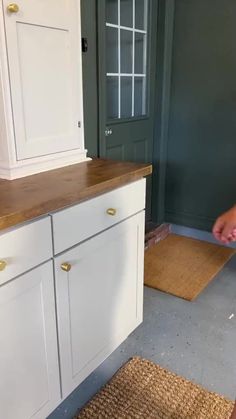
[99, 287]
[28, 346]
[44, 53]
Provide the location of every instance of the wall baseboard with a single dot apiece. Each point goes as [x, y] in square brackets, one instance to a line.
[197, 234]
[189, 220]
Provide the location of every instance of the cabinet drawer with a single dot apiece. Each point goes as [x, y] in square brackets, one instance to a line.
[84, 220]
[24, 247]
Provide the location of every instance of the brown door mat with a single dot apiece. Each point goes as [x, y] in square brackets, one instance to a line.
[143, 390]
[183, 266]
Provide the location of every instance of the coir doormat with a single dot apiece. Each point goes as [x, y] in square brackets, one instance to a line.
[143, 390]
[183, 266]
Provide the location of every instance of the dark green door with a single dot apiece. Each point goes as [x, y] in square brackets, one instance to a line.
[127, 60]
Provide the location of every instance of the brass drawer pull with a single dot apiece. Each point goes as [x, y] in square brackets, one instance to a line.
[3, 265]
[66, 266]
[13, 8]
[111, 211]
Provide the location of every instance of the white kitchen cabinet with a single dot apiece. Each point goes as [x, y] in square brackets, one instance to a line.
[25, 247]
[100, 299]
[80, 222]
[29, 372]
[41, 105]
[53, 335]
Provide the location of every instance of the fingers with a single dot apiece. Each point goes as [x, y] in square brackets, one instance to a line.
[224, 228]
[224, 232]
[234, 233]
[228, 233]
[217, 236]
[218, 228]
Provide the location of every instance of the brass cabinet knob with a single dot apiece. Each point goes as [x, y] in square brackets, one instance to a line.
[3, 265]
[111, 211]
[66, 266]
[13, 8]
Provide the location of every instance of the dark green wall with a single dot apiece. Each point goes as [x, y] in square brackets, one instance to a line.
[201, 155]
[90, 86]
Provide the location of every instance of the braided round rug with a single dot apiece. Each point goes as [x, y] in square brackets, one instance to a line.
[143, 390]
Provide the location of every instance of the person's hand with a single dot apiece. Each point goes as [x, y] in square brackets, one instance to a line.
[224, 228]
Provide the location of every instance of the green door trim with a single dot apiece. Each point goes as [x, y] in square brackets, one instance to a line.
[101, 36]
[166, 14]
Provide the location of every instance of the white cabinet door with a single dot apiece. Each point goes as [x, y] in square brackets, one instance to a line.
[44, 52]
[28, 346]
[100, 300]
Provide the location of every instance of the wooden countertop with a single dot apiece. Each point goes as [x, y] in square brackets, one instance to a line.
[33, 196]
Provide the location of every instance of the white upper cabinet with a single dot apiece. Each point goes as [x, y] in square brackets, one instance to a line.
[43, 50]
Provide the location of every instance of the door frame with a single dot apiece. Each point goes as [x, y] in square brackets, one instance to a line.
[151, 73]
[101, 65]
[165, 35]
[165, 10]
[152, 34]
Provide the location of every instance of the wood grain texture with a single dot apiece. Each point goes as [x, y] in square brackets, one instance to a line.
[182, 266]
[33, 196]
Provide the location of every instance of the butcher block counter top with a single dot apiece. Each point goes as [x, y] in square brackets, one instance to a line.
[33, 196]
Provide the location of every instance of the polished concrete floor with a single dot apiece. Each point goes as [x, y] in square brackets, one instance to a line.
[194, 339]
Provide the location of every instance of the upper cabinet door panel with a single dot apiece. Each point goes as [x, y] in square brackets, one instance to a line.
[44, 52]
[53, 13]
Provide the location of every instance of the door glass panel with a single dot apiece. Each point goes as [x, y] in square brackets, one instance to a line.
[112, 11]
[112, 97]
[141, 14]
[112, 50]
[126, 50]
[126, 13]
[126, 61]
[126, 97]
[139, 96]
[139, 66]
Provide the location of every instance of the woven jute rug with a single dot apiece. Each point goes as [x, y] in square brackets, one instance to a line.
[143, 390]
[182, 266]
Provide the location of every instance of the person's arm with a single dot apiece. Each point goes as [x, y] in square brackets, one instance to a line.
[224, 228]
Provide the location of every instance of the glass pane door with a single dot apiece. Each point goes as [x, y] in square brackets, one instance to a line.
[126, 58]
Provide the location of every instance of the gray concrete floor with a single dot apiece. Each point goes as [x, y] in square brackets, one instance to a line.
[194, 339]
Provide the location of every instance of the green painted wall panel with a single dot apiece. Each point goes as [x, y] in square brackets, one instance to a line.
[201, 156]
